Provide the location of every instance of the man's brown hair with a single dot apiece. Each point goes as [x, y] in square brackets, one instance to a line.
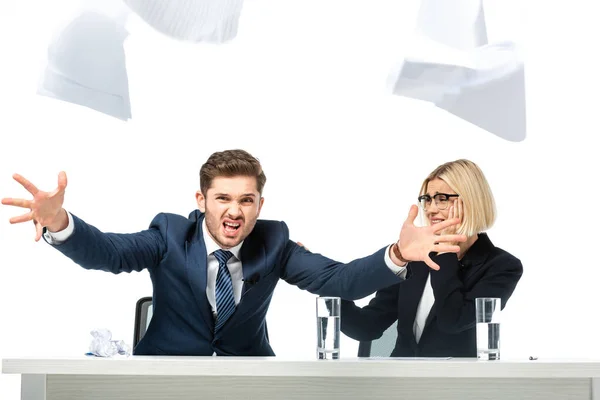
[230, 163]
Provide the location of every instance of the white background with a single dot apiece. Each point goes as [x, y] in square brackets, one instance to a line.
[302, 87]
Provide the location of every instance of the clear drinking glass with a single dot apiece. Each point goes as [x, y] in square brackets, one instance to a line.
[328, 328]
[487, 312]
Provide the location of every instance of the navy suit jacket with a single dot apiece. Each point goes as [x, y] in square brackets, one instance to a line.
[484, 271]
[173, 251]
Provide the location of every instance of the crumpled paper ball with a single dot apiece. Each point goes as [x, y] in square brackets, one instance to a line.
[102, 344]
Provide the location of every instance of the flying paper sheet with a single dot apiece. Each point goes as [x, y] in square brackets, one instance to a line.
[451, 65]
[211, 21]
[86, 59]
[86, 65]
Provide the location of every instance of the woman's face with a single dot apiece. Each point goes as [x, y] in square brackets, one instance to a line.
[433, 213]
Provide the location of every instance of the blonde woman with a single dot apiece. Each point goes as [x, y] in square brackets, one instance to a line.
[435, 309]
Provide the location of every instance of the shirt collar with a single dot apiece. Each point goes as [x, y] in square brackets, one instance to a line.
[212, 246]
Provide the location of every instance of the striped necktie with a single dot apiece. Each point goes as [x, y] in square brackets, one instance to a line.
[225, 302]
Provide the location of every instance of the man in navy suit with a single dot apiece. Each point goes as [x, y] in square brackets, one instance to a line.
[214, 273]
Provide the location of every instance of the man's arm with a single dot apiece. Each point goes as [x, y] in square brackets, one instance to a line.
[81, 242]
[113, 252]
[326, 277]
[398, 266]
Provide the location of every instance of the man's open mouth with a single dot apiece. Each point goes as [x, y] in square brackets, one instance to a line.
[231, 227]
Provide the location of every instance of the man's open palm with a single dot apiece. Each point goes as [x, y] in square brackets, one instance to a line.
[45, 208]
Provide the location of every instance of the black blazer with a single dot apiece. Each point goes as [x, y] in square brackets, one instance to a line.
[484, 271]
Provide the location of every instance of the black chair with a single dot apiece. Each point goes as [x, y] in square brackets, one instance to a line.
[381, 347]
[143, 315]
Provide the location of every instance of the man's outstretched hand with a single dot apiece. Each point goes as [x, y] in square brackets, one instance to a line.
[45, 209]
[416, 243]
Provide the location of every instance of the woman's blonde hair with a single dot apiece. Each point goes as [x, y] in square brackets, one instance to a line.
[466, 179]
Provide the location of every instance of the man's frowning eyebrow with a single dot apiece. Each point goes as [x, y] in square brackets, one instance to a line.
[227, 195]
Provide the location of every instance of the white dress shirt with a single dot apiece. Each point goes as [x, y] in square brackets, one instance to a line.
[234, 264]
[60, 236]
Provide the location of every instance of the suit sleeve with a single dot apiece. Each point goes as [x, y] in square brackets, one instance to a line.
[454, 305]
[114, 252]
[325, 277]
[369, 323]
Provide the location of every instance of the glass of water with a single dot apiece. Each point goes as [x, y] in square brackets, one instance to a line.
[487, 312]
[328, 328]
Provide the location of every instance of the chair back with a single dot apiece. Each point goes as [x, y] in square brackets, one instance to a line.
[143, 315]
[381, 347]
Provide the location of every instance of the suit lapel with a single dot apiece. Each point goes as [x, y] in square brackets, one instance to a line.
[476, 258]
[196, 269]
[409, 296]
[472, 262]
[254, 262]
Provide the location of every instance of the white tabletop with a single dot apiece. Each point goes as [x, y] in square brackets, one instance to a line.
[273, 366]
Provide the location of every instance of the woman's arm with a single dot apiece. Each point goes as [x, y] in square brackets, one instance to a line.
[369, 322]
[454, 305]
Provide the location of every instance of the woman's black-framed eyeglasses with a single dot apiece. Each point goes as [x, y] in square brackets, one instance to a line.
[442, 200]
